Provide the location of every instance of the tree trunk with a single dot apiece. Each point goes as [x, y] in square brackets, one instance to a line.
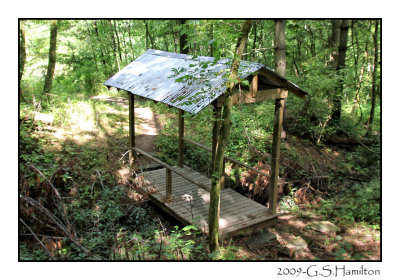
[130, 40]
[280, 63]
[341, 62]
[334, 43]
[22, 55]
[91, 39]
[118, 43]
[373, 86]
[148, 36]
[183, 42]
[253, 53]
[211, 34]
[217, 174]
[52, 57]
[103, 60]
[114, 44]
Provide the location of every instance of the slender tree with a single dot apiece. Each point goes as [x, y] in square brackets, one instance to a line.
[211, 37]
[115, 29]
[114, 45]
[103, 57]
[341, 63]
[52, 57]
[334, 44]
[181, 143]
[280, 63]
[217, 177]
[374, 78]
[149, 36]
[183, 40]
[22, 55]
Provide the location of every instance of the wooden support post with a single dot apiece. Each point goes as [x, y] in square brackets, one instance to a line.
[132, 156]
[181, 142]
[276, 153]
[254, 86]
[168, 185]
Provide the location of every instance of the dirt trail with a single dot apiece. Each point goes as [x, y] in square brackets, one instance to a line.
[147, 126]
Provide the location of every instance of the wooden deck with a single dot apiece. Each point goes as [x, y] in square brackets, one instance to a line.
[190, 203]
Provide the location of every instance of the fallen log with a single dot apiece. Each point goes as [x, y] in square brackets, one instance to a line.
[345, 140]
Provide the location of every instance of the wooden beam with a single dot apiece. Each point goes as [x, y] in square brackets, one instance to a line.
[262, 95]
[132, 157]
[283, 82]
[181, 142]
[276, 152]
[168, 180]
[254, 86]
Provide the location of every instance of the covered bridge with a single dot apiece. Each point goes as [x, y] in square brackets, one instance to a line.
[190, 83]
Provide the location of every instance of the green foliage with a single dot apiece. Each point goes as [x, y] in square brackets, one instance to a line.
[361, 204]
[288, 202]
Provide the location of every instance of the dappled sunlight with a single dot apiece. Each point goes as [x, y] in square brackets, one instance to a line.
[84, 125]
[148, 127]
[223, 223]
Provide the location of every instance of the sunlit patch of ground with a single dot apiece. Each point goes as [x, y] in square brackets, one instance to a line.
[353, 242]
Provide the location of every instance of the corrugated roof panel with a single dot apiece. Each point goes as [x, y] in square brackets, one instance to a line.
[153, 75]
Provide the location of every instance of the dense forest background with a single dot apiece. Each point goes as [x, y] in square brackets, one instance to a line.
[76, 200]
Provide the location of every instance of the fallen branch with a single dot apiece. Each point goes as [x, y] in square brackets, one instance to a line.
[351, 140]
[38, 240]
[99, 175]
[64, 211]
[124, 155]
[55, 220]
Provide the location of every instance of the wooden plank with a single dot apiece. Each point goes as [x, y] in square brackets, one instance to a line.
[227, 201]
[226, 219]
[250, 222]
[254, 86]
[226, 205]
[168, 210]
[237, 211]
[228, 212]
[168, 185]
[235, 230]
[175, 181]
[231, 221]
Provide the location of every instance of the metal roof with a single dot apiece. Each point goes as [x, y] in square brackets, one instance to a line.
[183, 81]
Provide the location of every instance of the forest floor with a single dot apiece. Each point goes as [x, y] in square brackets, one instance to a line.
[295, 237]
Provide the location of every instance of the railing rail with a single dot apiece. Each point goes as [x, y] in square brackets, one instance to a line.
[227, 158]
[170, 168]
